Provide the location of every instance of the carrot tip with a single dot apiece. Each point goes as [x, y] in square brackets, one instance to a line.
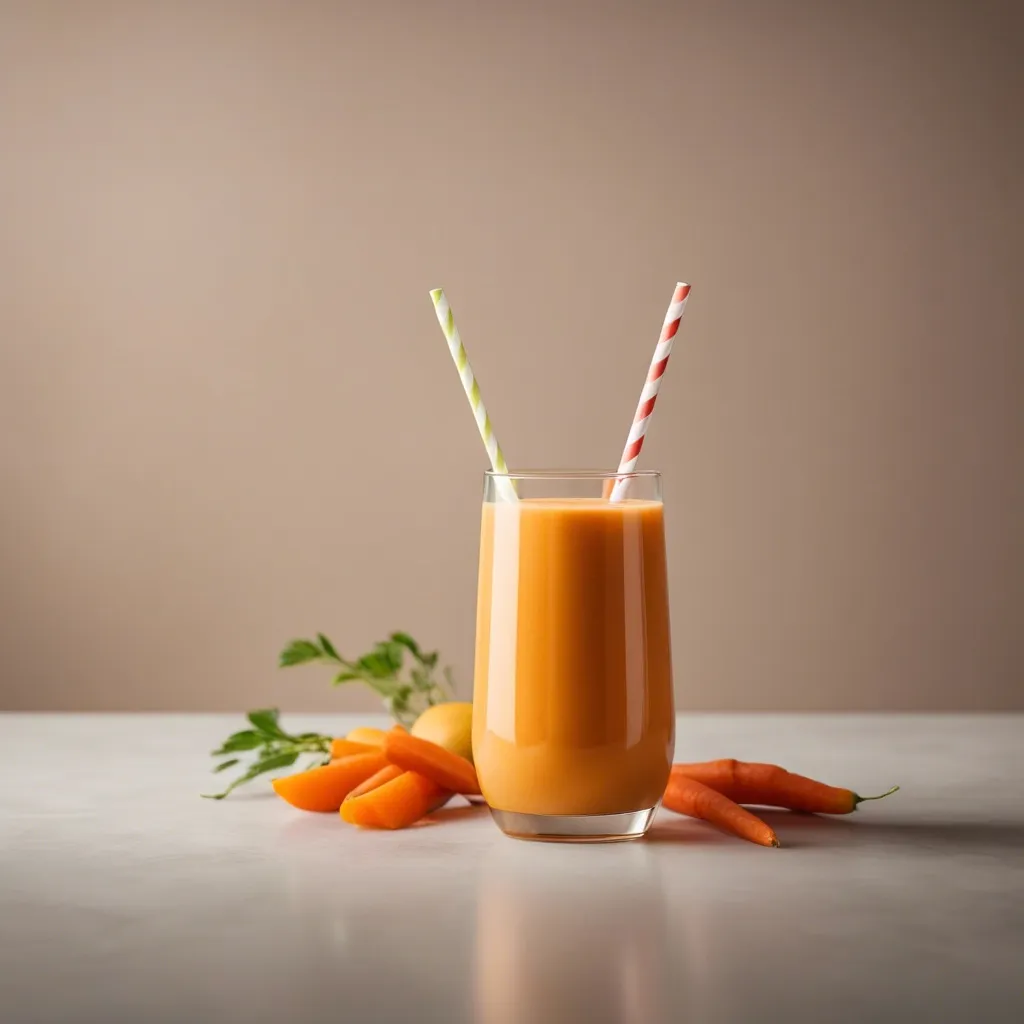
[881, 796]
[775, 842]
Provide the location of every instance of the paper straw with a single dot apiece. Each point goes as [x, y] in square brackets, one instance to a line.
[446, 319]
[649, 395]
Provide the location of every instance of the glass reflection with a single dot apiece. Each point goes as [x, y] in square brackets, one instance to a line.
[558, 942]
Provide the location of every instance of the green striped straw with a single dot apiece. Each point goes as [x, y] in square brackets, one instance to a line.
[446, 319]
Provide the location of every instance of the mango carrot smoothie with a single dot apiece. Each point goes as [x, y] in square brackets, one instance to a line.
[572, 709]
[573, 705]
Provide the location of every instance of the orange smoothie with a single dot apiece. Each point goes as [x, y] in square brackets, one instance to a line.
[572, 708]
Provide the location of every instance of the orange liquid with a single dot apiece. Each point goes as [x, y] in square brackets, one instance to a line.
[572, 708]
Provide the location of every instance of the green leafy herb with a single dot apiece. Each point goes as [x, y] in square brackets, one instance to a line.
[275, 749]
[298, 652]
[406, 685]
[265, 722]
[327, 647]
[247, 740]
[397, 669]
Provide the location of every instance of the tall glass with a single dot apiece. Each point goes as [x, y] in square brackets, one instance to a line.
[573, 717]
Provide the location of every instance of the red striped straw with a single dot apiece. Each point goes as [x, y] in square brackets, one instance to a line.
[649, 395]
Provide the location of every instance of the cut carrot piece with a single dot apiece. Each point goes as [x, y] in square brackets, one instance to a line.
[772, 786]
[396, 804]
[386, 774]
[346, 748]
[687, 796]
[448, 770]
[324, 788]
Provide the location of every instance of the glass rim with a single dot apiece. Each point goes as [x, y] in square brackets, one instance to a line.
[574, 474]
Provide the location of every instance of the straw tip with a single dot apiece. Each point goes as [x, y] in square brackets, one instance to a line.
[436, 293]
[682, 290]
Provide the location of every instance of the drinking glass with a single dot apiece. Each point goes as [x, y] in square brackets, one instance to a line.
[573, 717]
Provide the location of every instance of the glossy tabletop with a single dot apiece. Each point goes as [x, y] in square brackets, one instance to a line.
[124, 897]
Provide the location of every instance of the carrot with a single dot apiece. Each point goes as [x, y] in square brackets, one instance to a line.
[772, 786]
[346, 747]
[448, 770]
[396, 804]
[686, 796]
[324, 788]
[386, 774]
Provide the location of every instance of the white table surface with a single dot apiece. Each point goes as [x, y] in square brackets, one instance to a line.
[126, 898]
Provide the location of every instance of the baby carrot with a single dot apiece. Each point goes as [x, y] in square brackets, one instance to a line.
[685, 796]
[448, 770]
[324, 788]
[772, 786]
[396, 804]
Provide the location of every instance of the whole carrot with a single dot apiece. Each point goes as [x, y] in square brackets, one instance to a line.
[769, 785]
[687, 796]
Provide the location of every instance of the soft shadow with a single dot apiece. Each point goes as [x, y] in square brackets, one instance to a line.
[447, 814]
[796, 829]
[690, 831]
[305, 825]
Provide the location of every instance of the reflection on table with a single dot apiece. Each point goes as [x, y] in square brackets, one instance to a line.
[556, 942]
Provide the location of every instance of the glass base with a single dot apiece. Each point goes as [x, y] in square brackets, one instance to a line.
[574, 828]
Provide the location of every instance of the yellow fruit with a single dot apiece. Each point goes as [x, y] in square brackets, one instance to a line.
[364, 734]
[448, 725]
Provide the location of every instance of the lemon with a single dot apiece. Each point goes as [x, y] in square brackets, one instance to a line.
[448, 725]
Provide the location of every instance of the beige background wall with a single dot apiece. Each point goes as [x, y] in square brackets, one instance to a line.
[227, 416]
